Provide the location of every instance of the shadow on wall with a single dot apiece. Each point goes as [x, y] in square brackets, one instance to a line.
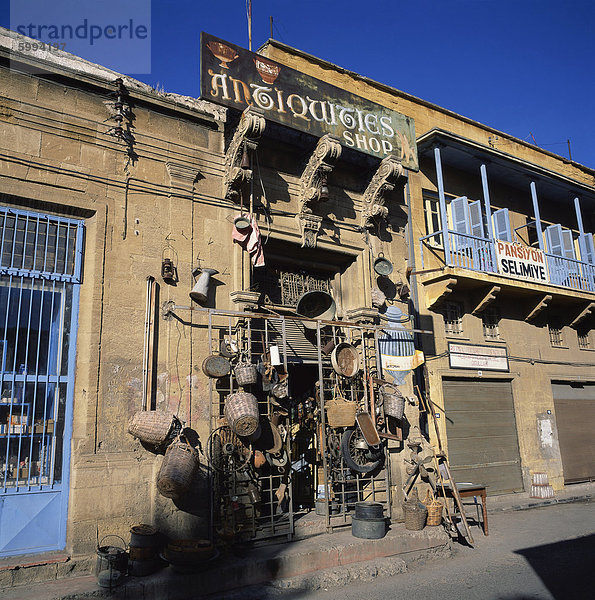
[564, 567]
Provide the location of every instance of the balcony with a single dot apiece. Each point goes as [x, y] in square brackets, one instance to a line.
[474, 266]
[480, 254]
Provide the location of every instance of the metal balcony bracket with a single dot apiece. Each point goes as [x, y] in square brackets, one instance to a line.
[483, 300]
[437, 291]
[384, 181]
[245, 138]
[541, 304]
[583, 314]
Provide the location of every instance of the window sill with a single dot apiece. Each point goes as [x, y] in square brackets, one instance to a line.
[492, 341]
[561, 347]
[454, 336]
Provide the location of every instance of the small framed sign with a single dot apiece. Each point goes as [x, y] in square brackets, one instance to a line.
[477, 357]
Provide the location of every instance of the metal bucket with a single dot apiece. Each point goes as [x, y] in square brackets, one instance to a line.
[369, 510]
[113, 559]
[368, 529]
[241, 412]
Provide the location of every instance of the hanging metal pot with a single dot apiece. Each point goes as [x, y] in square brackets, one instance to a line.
[242, 223]
[345, 359]
[216, 366]
[382, 265]
[316, 305]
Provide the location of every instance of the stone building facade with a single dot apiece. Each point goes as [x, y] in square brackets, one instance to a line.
[115, 177]
[501, 423]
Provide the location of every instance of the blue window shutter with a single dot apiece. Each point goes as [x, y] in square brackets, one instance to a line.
[587, 248]
[501, 222]
[553, 237]
[459, 209]
[567, 244]
[476, 219]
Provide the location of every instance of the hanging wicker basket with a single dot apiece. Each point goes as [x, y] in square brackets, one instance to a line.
[154, 427]
[394, 402]
[339, 411]
[245, 373]
[178, 469]
[241, 412]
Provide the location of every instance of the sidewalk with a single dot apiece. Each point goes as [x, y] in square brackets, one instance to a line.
[251, 566]
[315, 560]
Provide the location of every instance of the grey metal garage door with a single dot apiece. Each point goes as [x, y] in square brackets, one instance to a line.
[482, 437]
[575, 417]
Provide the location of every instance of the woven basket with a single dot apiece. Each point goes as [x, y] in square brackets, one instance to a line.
[394, 402]
[415, 517]
[415, 512]
[178, 469]
[245, 373]
[241, 412]
[340, 412]
[153, 427]
[434, 510]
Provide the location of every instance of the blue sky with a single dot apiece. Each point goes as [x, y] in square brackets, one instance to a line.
[525, 67]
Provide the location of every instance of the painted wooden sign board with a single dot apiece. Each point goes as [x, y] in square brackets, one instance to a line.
[477, 356]
[237, 78]
[521, 262]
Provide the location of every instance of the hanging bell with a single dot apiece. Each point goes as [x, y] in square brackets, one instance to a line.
[200, 291]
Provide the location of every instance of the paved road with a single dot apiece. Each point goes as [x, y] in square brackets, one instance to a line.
[545, 553]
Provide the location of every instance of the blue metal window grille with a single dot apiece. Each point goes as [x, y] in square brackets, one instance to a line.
[42, 246]
[40, 263]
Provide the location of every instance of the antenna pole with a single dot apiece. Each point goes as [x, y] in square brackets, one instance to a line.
[250, 25]
[569, 152]
[271, 21]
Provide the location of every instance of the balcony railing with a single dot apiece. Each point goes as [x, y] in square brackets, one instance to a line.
[479, 254]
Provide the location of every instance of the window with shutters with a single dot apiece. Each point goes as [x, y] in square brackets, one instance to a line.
[561, 262]
[490, 319]
[453, 318]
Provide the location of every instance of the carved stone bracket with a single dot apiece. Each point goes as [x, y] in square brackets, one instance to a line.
[321, 163]
[362, 315]
[437, 291]
[485, 298]
[246, 137]
[181, 176]
[247, 300]
[538, 307]
[384, 180]
[582, 314]
[309, 225]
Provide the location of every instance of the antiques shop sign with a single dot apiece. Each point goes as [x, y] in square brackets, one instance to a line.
[521, 262]
[237, 78]
[484, 358]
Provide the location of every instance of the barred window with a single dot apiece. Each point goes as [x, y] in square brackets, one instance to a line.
[555, 333]
[490, 319]
[584, 338]
[453, 318]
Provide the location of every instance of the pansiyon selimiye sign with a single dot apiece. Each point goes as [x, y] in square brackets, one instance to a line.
[521, 262]
[237, 78]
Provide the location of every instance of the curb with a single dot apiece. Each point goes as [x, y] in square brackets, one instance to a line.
[549, 502]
